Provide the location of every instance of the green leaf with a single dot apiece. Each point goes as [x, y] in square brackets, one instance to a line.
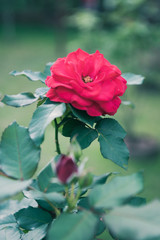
[47, 71]
[116, 192]
[36, 234]
[84, 135]
[100, 228]
[9, 233]
[31, 218]
[12, 206]
[9, 228]
[19, 100]
[137, 201]
[45, 179]
[77, 226]
[112, 145]
[11, 187]
[43, 115]
[96, 181]
[141, 223]
[51, 198]
[69, 126]
[129, 104]
[83, 203]
[33, 76]
[8, 221]
[19, 156]
[133, 79]
[40, 92]
[83, 116]
[101, 179]
[41, 101]
[46, 206]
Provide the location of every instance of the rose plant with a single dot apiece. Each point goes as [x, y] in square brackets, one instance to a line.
[65, 201]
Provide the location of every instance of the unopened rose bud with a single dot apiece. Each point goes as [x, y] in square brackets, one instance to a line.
[75, 149]
[86, 180]
[65, 168]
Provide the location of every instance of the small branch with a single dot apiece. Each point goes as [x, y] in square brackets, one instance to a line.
[57, 211]
[56, 137]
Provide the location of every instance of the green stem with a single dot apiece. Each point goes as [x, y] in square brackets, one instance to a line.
[72, 192]
[57, 211]
[65, 119]
[78, 195]
[56, 137]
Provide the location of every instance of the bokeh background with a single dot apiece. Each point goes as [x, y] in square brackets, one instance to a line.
[127, 32]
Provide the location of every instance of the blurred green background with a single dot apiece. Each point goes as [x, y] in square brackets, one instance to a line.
[127, 32]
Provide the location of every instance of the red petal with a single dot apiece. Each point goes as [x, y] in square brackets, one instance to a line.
[81, 55]
[111, 106]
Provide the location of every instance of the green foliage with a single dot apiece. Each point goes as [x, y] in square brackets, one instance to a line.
[116, 192]
[13, 187]
[19, 156]
[137, 201]
[112, 145]
[129, 104]
[12, 206]
[101, 179]
[19, 100]
[83, 207]
[44, 115]
[46, 177]
[133, 79]
[33, 76]
[84, 135]
[9, 228]
[110, 136]
[70, 125]
[10, 233]
[54, 199]
[75, 226]
[37, 233]
[31, 218]
[140, 223]
[40, 92]
[8, 221]
[83, 116]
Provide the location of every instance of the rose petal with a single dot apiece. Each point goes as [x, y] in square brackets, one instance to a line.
[111, 106]
[99, 95]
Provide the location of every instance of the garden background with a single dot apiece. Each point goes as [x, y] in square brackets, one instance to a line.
[35, 32]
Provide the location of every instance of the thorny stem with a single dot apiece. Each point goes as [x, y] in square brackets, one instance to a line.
[56, 137]
[72, 198]
[78, 194]
[72, 192]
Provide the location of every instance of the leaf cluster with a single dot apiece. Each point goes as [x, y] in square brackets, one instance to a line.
[85, 206]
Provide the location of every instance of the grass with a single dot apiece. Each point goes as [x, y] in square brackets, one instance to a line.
[31, 49]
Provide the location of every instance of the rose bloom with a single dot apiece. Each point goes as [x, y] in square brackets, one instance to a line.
[88, 82]
[65, 168]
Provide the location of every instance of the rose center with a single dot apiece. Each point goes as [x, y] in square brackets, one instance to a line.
[87, 79]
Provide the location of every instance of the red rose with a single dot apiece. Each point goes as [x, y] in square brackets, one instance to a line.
[65, 168]
[88, 82]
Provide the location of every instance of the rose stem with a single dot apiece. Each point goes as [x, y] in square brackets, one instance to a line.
[56, 137]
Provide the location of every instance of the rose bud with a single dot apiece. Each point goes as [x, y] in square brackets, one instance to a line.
[65, 168]
[86, 180]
